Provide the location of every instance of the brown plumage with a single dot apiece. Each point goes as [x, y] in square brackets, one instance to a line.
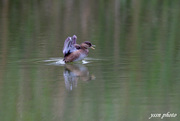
[75, 52]
[81, 52]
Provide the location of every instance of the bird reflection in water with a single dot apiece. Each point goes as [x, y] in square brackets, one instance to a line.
[75, 72]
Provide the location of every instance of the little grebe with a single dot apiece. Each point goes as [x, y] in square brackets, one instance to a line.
[75, 52]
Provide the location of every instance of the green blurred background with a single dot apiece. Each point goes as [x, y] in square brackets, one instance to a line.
[132, 73]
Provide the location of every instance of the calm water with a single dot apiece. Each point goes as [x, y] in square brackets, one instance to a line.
[132, 73]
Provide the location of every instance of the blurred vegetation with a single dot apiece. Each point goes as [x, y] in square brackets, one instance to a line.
[138, 38]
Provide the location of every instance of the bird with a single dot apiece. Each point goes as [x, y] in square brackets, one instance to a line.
[75, 52]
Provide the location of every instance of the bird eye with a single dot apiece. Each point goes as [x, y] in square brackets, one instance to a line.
[88, 43]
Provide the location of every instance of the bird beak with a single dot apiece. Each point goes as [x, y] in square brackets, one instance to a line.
[92, 47]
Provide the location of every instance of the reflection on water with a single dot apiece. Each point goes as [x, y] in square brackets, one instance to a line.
[75, 72]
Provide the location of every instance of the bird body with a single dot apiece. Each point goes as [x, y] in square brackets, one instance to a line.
[75, 52]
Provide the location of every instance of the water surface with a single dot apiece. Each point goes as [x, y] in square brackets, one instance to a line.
[132, 73]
